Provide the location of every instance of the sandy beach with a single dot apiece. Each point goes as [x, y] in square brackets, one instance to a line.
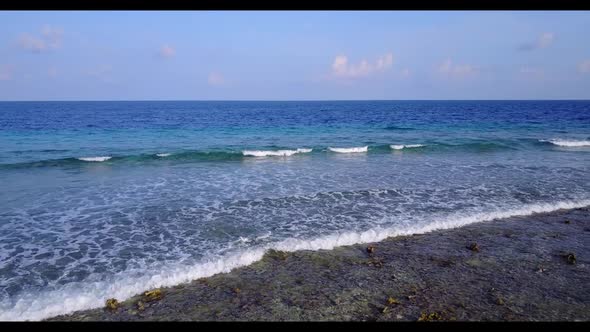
[529, 268]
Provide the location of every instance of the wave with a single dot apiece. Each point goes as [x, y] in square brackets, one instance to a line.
[350, 150]
[228, 155]
[89, 295]
[567, 143]
[266, 153]
[96, 159]
[408, 146]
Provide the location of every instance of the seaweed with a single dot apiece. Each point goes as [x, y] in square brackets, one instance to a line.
[153, 295]
[392, 300]
[112, 304]
[434, 316]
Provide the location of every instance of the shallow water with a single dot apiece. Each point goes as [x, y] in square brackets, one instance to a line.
[103, 199]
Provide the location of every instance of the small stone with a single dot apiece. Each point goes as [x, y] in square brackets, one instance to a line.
[140, 306]
[370, 249]
[571, 258]
[473, 247]
[112, 304]
[499, 301]
[237, 290]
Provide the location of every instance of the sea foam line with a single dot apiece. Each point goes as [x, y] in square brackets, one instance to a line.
[408, 146]
[91, 295]
[96, 159]
[350, 150]
[266, 153]
[567, 143]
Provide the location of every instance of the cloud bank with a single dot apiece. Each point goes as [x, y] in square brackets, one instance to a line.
[50, 38]
[341, 68]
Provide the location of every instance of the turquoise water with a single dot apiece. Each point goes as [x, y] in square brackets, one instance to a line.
[107, 199]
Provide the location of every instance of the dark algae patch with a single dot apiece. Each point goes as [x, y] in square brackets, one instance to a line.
[529, 275]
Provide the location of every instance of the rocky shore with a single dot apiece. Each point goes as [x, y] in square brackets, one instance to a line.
[527, 268]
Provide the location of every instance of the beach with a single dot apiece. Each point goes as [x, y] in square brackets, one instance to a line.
[524, 268]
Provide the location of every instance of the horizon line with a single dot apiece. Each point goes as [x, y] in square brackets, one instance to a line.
[278, 100]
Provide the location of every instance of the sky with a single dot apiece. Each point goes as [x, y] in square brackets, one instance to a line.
[294, 55]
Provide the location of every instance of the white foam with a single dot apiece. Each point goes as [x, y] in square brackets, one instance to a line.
[91, 295]
[266, 153]
[163, 154]
[97, 159]
[349, 150]
[568, 143]
[408, 146]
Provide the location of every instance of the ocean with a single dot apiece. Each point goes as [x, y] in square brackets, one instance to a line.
[109, 199]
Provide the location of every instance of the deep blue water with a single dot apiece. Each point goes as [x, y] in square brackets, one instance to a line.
[107, 199]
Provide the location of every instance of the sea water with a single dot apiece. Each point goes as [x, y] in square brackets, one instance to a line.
[109, 199]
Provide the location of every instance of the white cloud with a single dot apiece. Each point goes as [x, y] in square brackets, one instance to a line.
[50, 38]
[215, 79]
[447, 68]
[53, 36]
[342, 69]
[167, 51]
[544, 40]
[584, 66]
[5, 72]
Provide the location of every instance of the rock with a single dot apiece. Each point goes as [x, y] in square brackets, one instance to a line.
[140, 306]
[277, 254]
[370, 249]
[112, 304]
[499, 301]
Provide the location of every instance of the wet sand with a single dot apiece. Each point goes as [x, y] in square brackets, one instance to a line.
[524, 270]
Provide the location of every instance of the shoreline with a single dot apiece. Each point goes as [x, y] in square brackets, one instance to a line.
[521, 272]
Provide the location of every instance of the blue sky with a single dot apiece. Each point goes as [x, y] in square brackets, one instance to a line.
[299, 55]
